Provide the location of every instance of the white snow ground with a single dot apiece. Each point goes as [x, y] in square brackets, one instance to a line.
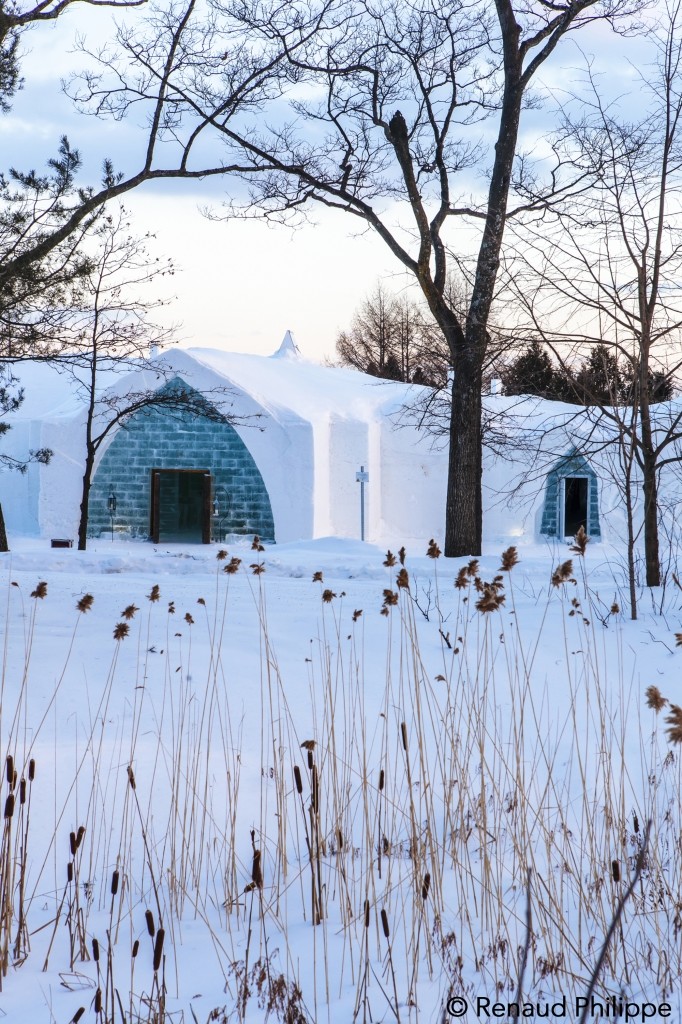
[518, 758]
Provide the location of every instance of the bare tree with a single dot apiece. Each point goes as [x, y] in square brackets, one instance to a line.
[373, 109]
[611, 260]
[108, 332]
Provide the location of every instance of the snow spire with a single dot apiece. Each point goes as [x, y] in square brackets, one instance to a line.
[288, 349]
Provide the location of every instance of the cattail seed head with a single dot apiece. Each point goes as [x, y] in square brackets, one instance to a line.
[635, 823]
[158, 948]
[9, 806]
[95, 950]
[426, 885]
[80, 834]
[72, 843]
[114, 883]
[69, 871]
[382, 779]
[31, 770]
[131, 777]
[615, 870]
[77, 1015]
[311, 760]
[297, 779]
[149, 918]
[403, 733]
[314, 790]
[384, 924]
[136, 948]
[98, 1001]
[22, 791]
[366, 913]
[257, 870]
[9, 767]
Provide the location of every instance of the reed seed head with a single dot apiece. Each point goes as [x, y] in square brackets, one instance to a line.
[510, 558]
[256, 544]
[232, 566]
[171, 607]
[328, 596]
[356, 614]
[433, 551]
[257, 568]
[674, 723]
[40, 591]
[402, 555]
[154, 594]
[403, 579]
[389, 560]
[221, 555]
[563, 574]
[121, 630]
[390, 598]
[85, 603]
[654, 698]
[317, 577]
[128, 612]
[462, 578]
[188, 619]
[580, 542]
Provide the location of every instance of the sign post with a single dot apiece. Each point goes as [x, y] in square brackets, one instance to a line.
[362, 478]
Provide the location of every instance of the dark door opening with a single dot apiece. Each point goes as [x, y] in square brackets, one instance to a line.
[575, 504]
[181, 506]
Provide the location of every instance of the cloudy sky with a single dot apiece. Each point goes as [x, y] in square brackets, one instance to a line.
[242, 284]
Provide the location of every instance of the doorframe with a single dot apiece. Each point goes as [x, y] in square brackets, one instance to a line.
[562, 501]
[155, 501]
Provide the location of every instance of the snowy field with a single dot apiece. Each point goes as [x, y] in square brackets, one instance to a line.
[313, 787]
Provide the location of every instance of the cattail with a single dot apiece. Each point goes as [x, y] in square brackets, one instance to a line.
[297, 779]
[366, 913]
[114, 883]
[77, 1015]
[426, 885]
[9, 766]
[311, 760]
[136, 948]
[158, 948]
[384, 924]
[382, 779]
[131, 777]
[403, 733]
[256, 870]
[31, 770]
[314, 790]
[98, 1001]
[72, 843]
[22, 791]
[339, 837]
[95, 950]
[149, 918]
[9, 806]
[80, 834]
[635, 823]
[69, 871]
[615, 870]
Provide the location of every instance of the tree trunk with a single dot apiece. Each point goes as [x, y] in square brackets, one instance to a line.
[464, 512]
[85, 501]
[651, 547]
[4, 546]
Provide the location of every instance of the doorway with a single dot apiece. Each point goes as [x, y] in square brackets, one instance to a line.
[576, 494]
[181, 506]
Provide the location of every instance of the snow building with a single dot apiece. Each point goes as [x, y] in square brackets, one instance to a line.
[277, 453]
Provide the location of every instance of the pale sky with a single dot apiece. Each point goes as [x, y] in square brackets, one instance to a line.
[241, 284]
